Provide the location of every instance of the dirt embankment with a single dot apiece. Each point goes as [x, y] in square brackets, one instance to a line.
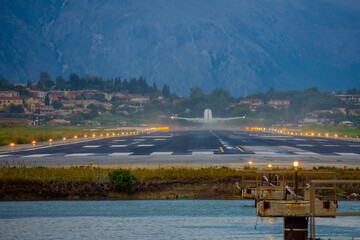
[226, 188]
[147, 190]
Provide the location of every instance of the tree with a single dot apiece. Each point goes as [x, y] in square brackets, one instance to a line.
[125, 85]
[353, 91]
[45, 82]
[28, 84]
[76, 118]
[240, 111]
[154, 87]
[196, 93]
[75, 82]
[220, 94]
[122, 178]
[4, 84]
[100, 97]
[166, 91]
[57, 104]
[16, 108]
[47, 100]
[61, 84]
[339, 92]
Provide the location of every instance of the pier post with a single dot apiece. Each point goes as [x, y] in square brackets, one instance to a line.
[295, 228]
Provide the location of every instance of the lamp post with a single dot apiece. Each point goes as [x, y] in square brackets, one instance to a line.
[296, 165]
[269, 166]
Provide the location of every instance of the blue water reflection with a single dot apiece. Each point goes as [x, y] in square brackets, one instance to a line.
[180, 219]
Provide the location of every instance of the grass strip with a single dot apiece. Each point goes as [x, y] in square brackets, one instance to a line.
[91, 174]
[22, 135]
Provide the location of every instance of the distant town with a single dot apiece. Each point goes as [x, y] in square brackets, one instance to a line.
[90, 100]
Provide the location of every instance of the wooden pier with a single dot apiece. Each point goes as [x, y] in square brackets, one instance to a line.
[298, 197]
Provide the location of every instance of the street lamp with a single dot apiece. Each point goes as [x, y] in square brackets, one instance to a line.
[269, 166]
[296, 165]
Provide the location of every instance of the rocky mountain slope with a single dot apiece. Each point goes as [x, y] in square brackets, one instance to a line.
[243, 46]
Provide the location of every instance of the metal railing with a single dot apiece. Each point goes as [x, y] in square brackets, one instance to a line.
[313, 189]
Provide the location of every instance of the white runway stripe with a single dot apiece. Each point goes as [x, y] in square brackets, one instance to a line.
[158, 139]
[114, 146]
[38, 155]
[78, 154]
[203, 153]
[161, 153]
[1, 156]
[91, 146]
[119, 140]
[145, 145]
[266, 153]
[347, 154]
[120, 154]
[306, 153]
[304, 145]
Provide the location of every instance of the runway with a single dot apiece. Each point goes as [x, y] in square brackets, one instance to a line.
[191, 148]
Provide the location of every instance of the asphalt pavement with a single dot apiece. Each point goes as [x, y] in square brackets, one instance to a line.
[190, 148]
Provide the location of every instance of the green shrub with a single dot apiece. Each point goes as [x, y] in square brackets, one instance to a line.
[122, 178]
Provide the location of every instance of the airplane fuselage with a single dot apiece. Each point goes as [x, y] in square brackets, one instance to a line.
[208, 116]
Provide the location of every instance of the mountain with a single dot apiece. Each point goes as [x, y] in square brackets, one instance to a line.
[244, 46]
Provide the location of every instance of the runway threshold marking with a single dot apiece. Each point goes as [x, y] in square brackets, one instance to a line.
[306, 153]
[78, 154]
[240, 149]
[221, 149]
[120, 154]
[38, 155]
[145, 145]
[161, 153]
[202, 153]
[266, 153]
[347, 154]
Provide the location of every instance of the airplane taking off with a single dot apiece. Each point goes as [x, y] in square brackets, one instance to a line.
[208, 118]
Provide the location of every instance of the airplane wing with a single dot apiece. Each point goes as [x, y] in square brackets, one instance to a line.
[227, 119]
[188, 119]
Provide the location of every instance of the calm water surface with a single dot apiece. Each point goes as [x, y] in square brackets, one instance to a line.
[180, 219]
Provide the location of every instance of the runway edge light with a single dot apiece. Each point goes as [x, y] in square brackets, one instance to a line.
[296, 164]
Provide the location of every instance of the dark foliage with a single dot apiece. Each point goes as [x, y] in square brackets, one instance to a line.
[122, 178]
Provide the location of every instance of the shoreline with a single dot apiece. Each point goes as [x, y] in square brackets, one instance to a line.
[90, 183]
[191, 189]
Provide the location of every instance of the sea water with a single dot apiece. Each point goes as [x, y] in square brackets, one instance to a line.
[171, 219]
